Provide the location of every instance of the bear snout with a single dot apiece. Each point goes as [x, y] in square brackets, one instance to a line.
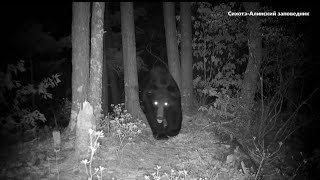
[160, 112]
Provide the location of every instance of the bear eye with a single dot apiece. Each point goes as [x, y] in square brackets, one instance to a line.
[155, 103]
[166, 104]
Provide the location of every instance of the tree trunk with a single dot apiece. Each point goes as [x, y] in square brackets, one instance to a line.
[254, 43]
[81, 111]
[106, 44]
[171, 41]
[129, 61]
[80, 58]
[96, 61]
[114, 87]
[186, 56]
[107, 26]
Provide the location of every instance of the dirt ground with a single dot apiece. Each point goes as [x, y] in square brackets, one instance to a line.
[196, 153]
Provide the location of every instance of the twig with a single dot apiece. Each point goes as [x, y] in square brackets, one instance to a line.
[294, 113]
[158, 58]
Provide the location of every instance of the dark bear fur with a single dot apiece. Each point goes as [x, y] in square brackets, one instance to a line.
[161, 101]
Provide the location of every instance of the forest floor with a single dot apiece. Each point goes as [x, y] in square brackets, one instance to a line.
[196, 153]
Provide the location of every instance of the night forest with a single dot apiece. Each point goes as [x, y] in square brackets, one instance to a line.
[159, 90]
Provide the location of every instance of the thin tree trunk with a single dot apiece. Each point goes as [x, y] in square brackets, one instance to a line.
[171, 41]
[255, 53]
[114, 87]
[186, 56]
[80, 58]
[96, 61]
[107, 26]
[129, 60]
[106, 44]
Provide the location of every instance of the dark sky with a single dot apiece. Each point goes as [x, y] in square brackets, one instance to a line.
[56, 17]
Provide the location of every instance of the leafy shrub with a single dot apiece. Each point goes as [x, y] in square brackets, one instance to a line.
[220, 51]
[123, 126]
[16, 115]
[218, 45]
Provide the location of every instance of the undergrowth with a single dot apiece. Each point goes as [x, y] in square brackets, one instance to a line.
[19, 116]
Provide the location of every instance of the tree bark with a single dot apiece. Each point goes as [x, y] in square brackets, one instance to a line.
[106, 44]
[129, 60]
[255, 53]
[112, 76]
[171, 41]
[80, 58]
[96, 61]
[81, 111]
[107, 26]
[186, 56]
[114, 86]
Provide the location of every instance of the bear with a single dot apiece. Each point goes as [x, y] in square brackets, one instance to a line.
[161, 103]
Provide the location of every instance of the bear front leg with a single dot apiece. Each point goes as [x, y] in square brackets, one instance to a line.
[160, 134]
[157, 129]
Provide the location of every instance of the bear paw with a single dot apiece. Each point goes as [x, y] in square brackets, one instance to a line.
[160, 136]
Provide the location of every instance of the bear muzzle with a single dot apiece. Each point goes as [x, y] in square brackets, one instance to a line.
[162, 120]
[160, 116]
